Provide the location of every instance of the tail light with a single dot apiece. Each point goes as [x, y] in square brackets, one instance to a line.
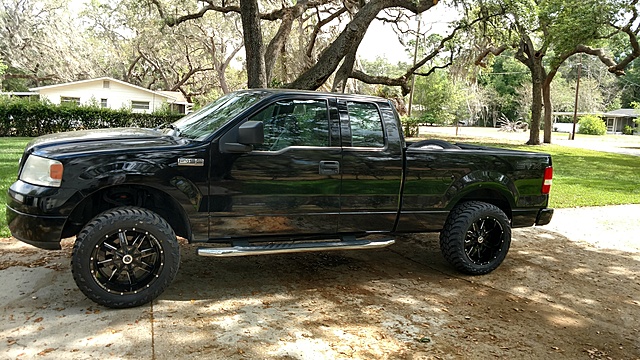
[547, 180]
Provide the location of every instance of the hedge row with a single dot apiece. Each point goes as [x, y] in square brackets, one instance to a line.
[29, 118]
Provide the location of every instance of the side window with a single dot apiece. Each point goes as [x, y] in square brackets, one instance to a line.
[366, 125]
[294, 123]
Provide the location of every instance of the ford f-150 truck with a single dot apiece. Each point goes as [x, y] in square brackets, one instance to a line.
[265, 172]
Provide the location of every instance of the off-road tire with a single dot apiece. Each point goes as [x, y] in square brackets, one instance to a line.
[476, 237]
[136, 247]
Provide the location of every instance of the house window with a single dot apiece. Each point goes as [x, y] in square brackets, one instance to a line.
[103, 103]
[140, 105]
[69, 100]
[106, 84]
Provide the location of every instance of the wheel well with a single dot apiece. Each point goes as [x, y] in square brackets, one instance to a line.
[490, 196]
[128, 195]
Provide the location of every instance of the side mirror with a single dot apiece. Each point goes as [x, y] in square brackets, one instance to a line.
[251, 133]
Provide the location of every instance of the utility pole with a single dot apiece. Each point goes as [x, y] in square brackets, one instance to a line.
[572, 136]
[415, 58]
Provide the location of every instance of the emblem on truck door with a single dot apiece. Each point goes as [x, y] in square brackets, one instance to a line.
[190, 162]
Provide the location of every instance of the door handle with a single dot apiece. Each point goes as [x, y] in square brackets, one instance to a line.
[329, 168]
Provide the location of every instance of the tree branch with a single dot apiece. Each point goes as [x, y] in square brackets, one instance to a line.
[433, 69]
[187, 76]
[320, 24]
[490, 50]
[131, 67]
[383, 80]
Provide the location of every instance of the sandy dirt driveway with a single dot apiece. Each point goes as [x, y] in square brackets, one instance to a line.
[569, 290]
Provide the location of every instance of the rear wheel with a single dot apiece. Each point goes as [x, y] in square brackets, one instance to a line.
[476, 237]
[125, 257]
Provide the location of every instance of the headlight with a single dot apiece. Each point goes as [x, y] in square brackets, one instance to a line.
[40, 171]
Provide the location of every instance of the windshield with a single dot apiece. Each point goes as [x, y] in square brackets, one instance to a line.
[204, 122]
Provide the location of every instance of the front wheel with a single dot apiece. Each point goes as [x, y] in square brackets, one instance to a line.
[125, 257]
[476, 237]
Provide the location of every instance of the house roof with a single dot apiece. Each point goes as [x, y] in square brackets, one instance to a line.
[18, 93]
[570, 113]
[177, 96]
[166, 94]
[633, 113]
[623, 113]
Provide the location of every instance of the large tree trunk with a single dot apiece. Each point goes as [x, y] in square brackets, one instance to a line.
[222, 78]
[344, 72]
[252, 33]
[350, 38]
[548, 108]
[536, 112]
[276, 45]
[532, 59]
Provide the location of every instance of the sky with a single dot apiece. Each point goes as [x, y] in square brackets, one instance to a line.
[381, 40]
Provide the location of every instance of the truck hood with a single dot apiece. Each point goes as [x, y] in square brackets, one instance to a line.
[100, 140]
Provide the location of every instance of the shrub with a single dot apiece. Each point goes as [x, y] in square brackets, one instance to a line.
[592, 125]
[24, 117]
[628, 130]
[410, 125]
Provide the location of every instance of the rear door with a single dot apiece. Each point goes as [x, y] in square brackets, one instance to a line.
[290, 184]
[372, 167]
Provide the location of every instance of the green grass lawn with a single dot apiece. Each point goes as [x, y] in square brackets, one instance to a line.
[581, 177]
[10, 151]
[591, 178]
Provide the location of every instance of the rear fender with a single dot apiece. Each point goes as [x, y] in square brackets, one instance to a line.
[484, 185]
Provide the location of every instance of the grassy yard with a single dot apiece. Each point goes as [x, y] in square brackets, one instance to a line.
[581, 177]
[10, 151]
[591, 178]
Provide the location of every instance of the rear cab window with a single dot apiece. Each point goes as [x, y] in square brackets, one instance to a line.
[366, 125]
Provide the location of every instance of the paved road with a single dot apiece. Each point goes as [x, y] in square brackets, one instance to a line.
[621, 148]
[620, 144]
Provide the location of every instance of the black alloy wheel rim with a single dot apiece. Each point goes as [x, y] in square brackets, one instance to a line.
[483, 241]
[127, 261]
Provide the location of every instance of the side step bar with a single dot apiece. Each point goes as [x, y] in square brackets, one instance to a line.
[279, 248]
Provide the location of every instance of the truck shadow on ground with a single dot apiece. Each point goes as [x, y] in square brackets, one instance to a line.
[552, 297]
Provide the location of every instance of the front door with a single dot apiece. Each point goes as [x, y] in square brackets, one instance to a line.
[290, 184]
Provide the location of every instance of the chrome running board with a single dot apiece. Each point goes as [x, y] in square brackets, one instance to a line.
[280, 248]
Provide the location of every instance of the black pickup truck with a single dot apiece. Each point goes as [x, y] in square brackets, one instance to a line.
[264, 172]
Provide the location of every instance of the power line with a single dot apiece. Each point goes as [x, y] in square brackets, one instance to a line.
[507, 73]
[630, 82]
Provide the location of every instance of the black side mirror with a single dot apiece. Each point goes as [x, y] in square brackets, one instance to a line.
[251, 133]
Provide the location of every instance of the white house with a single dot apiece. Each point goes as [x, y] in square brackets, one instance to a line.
[615, 120]
[114, 94]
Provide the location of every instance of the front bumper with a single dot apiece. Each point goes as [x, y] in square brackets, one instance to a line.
[37, 230]
[544, 217]
[33, 214]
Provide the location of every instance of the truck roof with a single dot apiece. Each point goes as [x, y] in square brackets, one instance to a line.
[355, 97]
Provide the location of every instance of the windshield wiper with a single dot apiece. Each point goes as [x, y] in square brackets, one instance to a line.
[173, 130]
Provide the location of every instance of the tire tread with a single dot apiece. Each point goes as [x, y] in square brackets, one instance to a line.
[111, 218]
[454, 231]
